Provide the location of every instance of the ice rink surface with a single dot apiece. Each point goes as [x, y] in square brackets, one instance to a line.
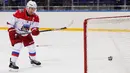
[102, 45]
[63, 52]
[59, 52]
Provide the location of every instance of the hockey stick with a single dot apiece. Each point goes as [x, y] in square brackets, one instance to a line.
[55, 29]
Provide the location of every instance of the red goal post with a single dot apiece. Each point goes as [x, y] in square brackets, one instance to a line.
[85, 30]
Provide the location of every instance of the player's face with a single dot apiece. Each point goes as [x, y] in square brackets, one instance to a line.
[31, 10]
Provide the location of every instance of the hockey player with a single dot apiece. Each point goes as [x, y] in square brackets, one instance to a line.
[23, 21]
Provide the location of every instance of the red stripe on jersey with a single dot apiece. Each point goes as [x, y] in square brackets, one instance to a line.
[22, 14]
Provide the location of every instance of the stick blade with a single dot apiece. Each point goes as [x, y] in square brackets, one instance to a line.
[64, 28]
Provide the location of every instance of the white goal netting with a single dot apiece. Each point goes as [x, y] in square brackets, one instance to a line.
[105, 37]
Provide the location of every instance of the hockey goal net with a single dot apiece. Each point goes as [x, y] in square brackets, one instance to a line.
[107, 44]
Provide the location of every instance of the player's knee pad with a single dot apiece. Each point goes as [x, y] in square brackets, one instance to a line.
[17, 47]
[32, 51]
[16, 50]
[31, 48]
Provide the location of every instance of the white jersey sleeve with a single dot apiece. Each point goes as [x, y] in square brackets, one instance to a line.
[35, 24]
[12, 21]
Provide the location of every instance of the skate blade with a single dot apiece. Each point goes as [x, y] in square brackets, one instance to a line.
[34, 65]
[13, 70]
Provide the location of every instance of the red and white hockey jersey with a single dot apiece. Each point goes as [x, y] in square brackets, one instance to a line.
[20, 18]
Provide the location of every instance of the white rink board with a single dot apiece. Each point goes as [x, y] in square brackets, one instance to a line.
[59, 19]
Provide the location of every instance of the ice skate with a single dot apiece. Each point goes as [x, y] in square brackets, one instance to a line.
[13, 66]
[34, 62]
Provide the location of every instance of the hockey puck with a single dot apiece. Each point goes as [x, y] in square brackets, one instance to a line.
[110, 58]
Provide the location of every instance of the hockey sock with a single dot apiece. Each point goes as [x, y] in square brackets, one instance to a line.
[32, 51]
[15, 52]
